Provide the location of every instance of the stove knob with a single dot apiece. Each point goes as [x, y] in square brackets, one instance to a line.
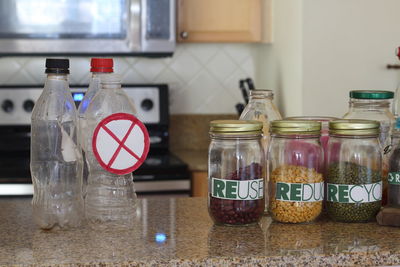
[7, 106]
[147, 104]
[28, 105]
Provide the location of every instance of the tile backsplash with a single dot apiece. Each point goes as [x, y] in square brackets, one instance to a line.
[203, 78]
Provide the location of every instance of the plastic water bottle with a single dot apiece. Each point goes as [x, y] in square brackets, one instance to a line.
[56, 161]
[110, 200]
[98, 67]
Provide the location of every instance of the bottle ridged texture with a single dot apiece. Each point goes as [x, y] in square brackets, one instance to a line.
[56, 162]
[110, 198]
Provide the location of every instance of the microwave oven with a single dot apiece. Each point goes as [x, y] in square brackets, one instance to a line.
[87, 27]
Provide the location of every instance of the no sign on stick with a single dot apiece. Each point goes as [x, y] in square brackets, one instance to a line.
[120, 143]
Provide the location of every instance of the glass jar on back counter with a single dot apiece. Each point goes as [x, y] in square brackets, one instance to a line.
[375, 105]
[296, 162]
[236, 172]
[354, 181]
[261, 108]
[394, 169]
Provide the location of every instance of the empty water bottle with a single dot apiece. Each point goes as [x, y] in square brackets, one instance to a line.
[56, 161]
[99, 67]
[110, 195]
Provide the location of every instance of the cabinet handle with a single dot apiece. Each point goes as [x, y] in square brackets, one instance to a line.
[184, 35]
[390, 66]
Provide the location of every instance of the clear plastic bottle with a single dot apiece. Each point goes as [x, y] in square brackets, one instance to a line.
[261, 108]
[56, 161]
[110, 198]
[99, 67]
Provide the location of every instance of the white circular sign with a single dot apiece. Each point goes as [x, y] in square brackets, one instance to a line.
[120, 143]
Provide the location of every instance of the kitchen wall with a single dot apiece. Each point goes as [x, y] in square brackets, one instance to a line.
[279, 63]
[323, 49]
[203, 78]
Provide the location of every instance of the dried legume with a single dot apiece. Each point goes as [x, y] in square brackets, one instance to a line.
[301, 210]
[237, 212]
[354, 192]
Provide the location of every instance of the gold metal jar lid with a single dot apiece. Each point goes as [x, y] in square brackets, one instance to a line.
[235, 127]
[296, 127]
[354, 127]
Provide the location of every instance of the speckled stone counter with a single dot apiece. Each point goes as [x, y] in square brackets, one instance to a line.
[179, 232]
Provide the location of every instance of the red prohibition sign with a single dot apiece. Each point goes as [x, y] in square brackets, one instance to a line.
[120, 143]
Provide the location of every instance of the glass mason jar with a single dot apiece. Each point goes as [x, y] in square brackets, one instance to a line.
[236, 171]
[394, 169]
[261, 108]
[324, 129]
[375, 105]
[296, 162]
[354, 181]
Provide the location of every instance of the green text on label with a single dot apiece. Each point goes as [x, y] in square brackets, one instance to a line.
[237, 190]
[394, 178]
[298, 192]
[360, 193]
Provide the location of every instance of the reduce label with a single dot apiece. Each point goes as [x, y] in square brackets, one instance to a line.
[298, 192]
[359, 193]
[394, 178]
[237, 190]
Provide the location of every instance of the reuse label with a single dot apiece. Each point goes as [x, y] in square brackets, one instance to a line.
[237, 190]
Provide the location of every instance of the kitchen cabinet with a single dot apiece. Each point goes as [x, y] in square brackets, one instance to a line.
[221, 20]
[199, 184]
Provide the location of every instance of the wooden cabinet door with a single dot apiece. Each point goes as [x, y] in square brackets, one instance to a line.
[219, 21]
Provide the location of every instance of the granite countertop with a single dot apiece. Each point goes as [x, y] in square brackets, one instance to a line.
[179, 232]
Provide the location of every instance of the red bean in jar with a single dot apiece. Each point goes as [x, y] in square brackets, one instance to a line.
[236, 172]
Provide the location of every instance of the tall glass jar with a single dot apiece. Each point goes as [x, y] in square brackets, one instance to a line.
[394, 169]
[375, 105]
[261, 108]
[236, 171]
[354, 181]
[296, 162]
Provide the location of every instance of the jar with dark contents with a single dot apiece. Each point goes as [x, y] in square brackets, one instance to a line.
[394, 169]
[354, 180]
[236, 172]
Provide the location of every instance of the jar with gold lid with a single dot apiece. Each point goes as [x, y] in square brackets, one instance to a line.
[236, 172]
[296, 162]
[354, 181]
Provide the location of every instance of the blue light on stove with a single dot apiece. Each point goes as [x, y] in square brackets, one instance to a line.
[161, 237]
[78, 96]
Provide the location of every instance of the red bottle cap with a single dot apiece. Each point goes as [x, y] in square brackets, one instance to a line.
[398, 52]
[101, 65]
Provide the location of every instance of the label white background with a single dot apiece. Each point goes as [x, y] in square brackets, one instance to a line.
[359, 192]
[242, 186]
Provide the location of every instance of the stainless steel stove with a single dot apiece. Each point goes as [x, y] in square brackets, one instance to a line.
[162, 172]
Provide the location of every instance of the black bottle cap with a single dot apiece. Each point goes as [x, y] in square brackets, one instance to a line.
[57, 65]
